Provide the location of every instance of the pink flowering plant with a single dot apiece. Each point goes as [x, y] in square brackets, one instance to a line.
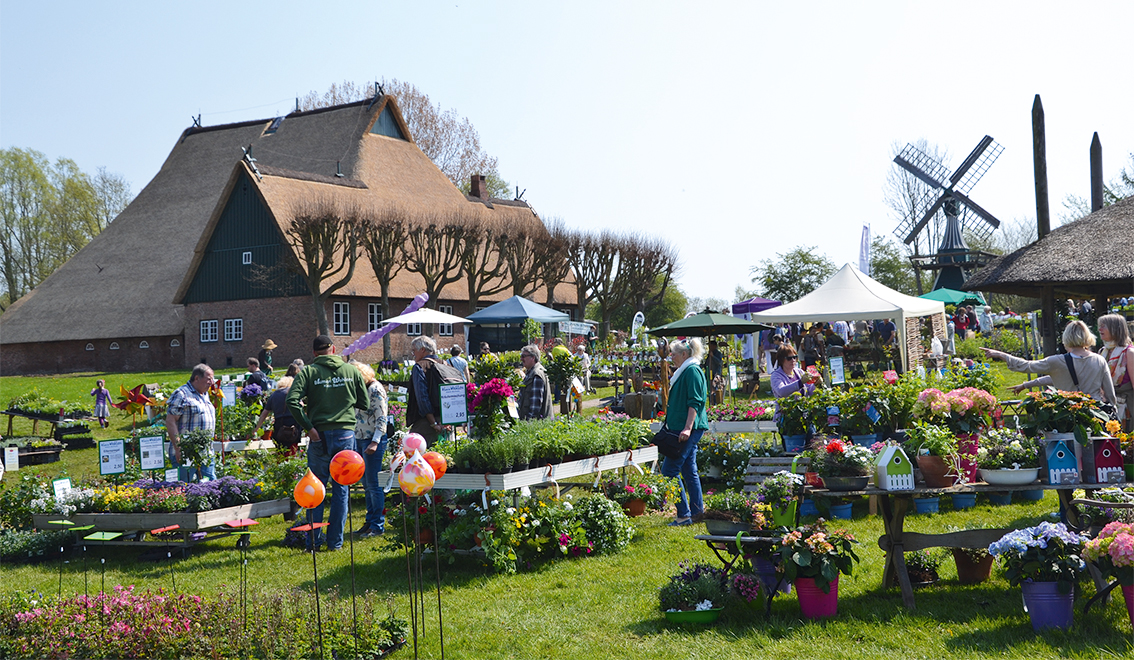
[811, 551]
[486, 407]
[964, 410]
[741, 411]
[1113, 552]
[632, 490]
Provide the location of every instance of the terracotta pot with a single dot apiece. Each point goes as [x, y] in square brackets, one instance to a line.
[969, 571]
[936, 472]
[425, 537]
[634, 507]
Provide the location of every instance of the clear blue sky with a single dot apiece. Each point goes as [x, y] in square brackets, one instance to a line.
[735, 130]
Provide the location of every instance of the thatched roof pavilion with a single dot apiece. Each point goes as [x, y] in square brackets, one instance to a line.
[1089, 258]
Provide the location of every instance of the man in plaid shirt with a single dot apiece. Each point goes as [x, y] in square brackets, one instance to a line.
[535, 393]
[189, 409]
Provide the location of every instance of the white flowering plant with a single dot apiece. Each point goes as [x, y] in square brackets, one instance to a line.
[1007, 449]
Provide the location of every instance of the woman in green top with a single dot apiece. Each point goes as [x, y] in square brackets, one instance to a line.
[685, 414]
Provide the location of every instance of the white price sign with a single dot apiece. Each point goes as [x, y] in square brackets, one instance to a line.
[112, 456]
[151, 453]
[454, 407]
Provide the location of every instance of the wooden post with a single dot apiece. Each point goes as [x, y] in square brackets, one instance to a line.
[1096, 174]
[1039, 157]
[1047, 319]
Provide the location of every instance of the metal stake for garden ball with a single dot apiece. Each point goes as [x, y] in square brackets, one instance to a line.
[347, 467]
[168, 553]
[102, 538]
[310, 529]
[437, 561]
[409, 576]
[61, 523]
[243, 541]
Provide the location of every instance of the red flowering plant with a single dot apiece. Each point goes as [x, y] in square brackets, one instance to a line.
[843, 459]
[622, 493]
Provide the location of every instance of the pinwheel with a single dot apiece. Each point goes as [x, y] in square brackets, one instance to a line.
[133, 401]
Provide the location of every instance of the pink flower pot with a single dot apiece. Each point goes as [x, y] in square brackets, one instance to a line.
[1128, 594]
[967, 447]
[813, 603]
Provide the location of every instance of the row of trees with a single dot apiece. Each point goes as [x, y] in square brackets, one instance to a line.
[520, 255]
[48, 212]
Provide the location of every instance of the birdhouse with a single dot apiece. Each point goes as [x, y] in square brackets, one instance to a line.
[1108, 462]
[1062, 465]
[894, 470]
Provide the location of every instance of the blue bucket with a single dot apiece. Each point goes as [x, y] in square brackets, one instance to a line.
[808, 509]
[842, 511]
[964, 500]
[864, 440]
[1033, 495]
[795, 442]
[926, 504]
[1000, 499]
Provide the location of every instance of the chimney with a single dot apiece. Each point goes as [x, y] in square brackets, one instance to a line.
[478, 188]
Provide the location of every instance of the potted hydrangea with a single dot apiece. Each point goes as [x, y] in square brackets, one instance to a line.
[695, 594]
[813, 558]
[966, 411]
[1112, 551]
[1044, 561]
[1008, 458]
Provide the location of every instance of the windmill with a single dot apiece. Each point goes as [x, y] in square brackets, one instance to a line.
[948, 253]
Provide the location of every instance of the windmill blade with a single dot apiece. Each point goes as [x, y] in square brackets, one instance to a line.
[925, 219]
[917, 163]
[983, 163]
[976, 208]
[970, 160]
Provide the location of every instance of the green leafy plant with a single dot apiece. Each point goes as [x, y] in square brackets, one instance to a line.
[811, 551]
[923, 438]
[1063, 412]
[695, 587]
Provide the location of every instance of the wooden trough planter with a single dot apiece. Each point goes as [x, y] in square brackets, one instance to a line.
[135, 526]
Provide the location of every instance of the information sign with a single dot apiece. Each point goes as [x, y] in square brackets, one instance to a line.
[454, 406]
[111, 456]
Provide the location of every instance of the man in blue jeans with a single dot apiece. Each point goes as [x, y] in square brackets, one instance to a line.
[332, 389]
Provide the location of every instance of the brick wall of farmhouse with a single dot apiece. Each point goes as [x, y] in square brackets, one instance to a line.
[290, 323]
[124, 354]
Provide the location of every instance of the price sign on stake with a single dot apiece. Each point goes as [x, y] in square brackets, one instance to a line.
[112, 457]
[151, 453]
[454, 407]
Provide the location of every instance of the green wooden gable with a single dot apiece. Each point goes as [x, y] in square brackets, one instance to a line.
[387, 125]
[245, 237]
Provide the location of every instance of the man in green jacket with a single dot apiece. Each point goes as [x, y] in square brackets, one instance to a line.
[332, 389]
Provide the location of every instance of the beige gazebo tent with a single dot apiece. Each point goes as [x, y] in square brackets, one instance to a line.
[851, 295]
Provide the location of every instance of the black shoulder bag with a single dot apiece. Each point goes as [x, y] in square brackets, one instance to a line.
[668, 443]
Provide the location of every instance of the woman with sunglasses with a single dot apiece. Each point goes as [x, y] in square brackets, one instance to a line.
[788, 378]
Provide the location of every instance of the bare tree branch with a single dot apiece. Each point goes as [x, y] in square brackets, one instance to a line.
[383, 239]
[325, 240]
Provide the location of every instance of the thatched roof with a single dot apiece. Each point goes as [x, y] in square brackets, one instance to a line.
[125, 281]
[1087, 258]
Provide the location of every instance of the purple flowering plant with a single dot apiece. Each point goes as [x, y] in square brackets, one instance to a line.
[1048, 552]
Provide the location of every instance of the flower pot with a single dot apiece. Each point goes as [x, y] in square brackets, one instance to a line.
[768, 577]
[926, 504]
[846, 483]
[1047, 607]
[725, 527]
[842, 511]
[785, 517]
[967, 447]
[713, 472]
[969, 571]
[1001, 499]
[694, 616]
[1021, 477]
[935, 471]
[1128, 596]
[634, 507]
[813, 603]
[807, 508]
[794, 443]
[864, 440]
[425, 537]
[964, 500]
[1033, 495]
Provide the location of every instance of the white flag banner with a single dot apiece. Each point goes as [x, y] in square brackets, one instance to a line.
[864, 251]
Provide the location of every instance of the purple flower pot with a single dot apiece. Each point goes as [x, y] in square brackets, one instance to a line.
[1047, 607]
[768, 578]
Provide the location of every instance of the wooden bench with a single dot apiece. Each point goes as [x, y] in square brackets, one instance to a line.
[762, 467]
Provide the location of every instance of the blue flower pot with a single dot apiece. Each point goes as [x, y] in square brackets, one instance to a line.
[807, 508]
[842, 511]
[864, 440]
[926, 504]
[964, 500]
[795, 442]
[1000, 499]
[1033, 495]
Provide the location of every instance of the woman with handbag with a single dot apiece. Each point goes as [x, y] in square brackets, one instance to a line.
[1077, 370]
[685, 416]
[1119, 355]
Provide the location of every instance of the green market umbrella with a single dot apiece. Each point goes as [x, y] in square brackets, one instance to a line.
[954, 297]
[707, 324]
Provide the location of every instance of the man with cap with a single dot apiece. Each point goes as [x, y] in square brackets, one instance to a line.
[332, 389]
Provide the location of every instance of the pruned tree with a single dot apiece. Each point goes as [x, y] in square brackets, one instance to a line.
[436, 251]
[324, 240]
[521, 252]
[646, 267]
[592, 257]
[552, 256]
[383, 240]
[483, 263]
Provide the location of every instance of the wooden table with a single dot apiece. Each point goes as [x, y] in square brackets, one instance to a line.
[896, 541]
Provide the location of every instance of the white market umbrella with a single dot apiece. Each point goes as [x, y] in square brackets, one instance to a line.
[427, 316]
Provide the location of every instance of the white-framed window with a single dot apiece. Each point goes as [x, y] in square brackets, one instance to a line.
[114, 346]
[174, 343]
[373, 316]
[342, 318]
[208, 331]
[144, 344]
[246, 258]
[234, 329]
[445, 329]
[90, 347]
[413, 329]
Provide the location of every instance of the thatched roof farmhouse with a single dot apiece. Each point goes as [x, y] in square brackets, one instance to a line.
[168, 283]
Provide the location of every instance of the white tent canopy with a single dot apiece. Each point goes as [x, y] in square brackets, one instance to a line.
[850, 296]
